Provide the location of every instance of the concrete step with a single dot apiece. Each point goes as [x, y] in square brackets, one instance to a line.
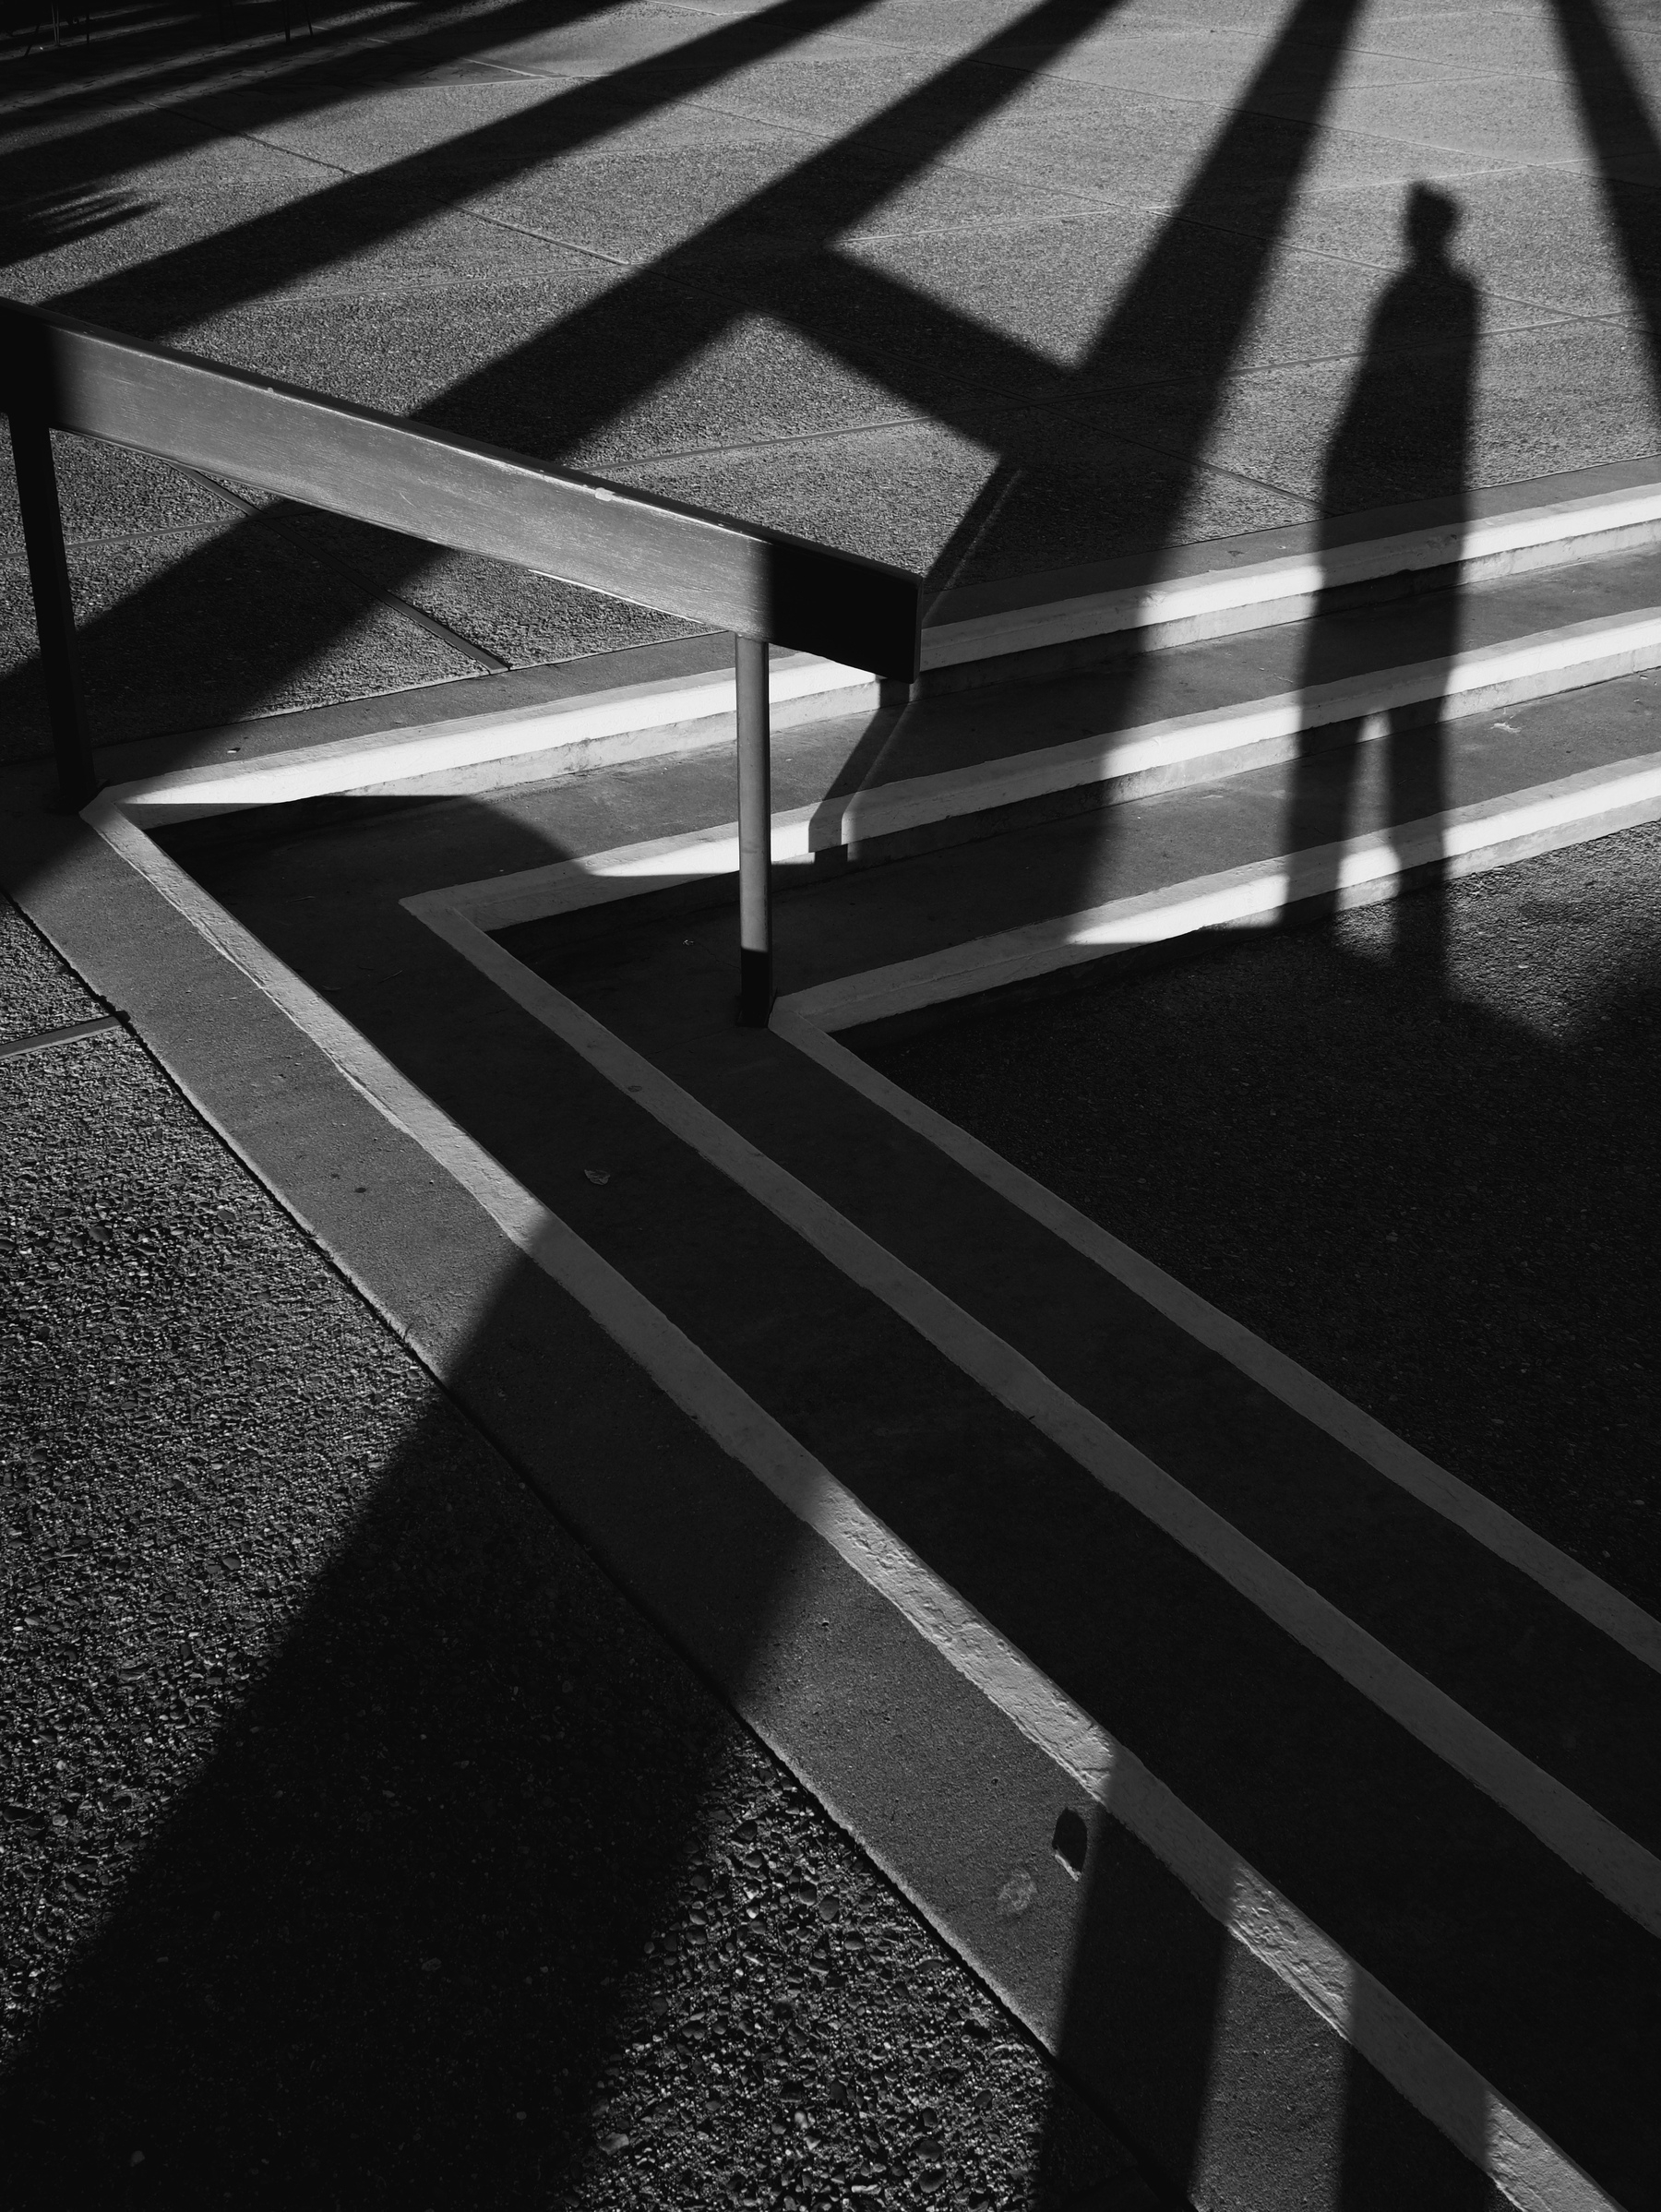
[1263, 579]
[1113, 628]
[957, 770]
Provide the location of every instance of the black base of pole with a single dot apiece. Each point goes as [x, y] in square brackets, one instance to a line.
[755, 989]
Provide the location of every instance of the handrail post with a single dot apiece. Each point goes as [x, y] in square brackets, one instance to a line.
[755, 835]
[55, 610]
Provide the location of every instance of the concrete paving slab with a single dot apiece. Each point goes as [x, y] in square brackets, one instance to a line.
[658, 183]
[1531, 117]
[108, 492]
[362, 130]
[1066, 293]
[1216, 66]
[1137, 148]
[1278, 426]
[1524, 234]
[589, 47]
[827, 87]
[522, 618]
[1523, 36]
[132, 205]
[266, 300]
[899, 493]
[200, 626]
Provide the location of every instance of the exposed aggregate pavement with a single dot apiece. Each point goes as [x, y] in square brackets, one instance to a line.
[360, 1843]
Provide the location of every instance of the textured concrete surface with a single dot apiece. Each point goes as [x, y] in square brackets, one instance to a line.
[929, 280]
[1410, 1148]
[359, 1842]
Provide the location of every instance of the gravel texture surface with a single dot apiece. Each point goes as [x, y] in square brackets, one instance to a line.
[360, 1846]
[37, 992]
[1414, 1147]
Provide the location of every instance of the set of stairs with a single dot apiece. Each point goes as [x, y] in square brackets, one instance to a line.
[1282, 721]
[1420, 1797]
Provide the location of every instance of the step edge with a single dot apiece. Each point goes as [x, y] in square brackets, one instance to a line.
[1255, 893]
[1487, 676]
[1280, 588]
[1304, 538]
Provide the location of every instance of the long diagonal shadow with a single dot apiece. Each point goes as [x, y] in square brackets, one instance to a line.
[1621, 130]
[249, 260]
[598, 359]
[309, 84]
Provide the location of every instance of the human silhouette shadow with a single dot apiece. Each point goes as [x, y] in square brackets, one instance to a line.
[1406, 428]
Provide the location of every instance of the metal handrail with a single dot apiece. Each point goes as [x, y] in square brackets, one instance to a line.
[764, 586]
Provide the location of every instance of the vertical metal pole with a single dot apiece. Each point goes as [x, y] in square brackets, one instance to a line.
[54, 612]
[755, 836]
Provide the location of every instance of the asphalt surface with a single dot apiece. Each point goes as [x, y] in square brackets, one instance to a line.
[360, 1843]
[1413, 1146]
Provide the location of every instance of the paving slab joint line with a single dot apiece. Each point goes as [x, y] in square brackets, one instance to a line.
[1530, 2170]
[271, 512]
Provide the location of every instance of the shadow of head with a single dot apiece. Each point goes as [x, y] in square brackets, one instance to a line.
[1429, 221]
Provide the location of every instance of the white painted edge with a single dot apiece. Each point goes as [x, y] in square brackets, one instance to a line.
[1477, 681]
[1584, 1838]
[1257, 894]
[1528, 2168]
[1574, 1587]
[1290, 585]
[1481, 680]
[425, 751]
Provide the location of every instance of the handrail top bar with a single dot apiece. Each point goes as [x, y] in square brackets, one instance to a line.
[458, 493]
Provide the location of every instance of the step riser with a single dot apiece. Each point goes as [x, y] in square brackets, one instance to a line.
[896, 822]
[710, 721]
[1064, 639]
[892, 823]
[487, 753]
[480, 753]
[1085, 949]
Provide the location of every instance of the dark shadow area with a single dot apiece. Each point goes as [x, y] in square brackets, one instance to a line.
[52, 219]
[387, 1919]
[1420, 403]
[182, 50]
[1429, 1184]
